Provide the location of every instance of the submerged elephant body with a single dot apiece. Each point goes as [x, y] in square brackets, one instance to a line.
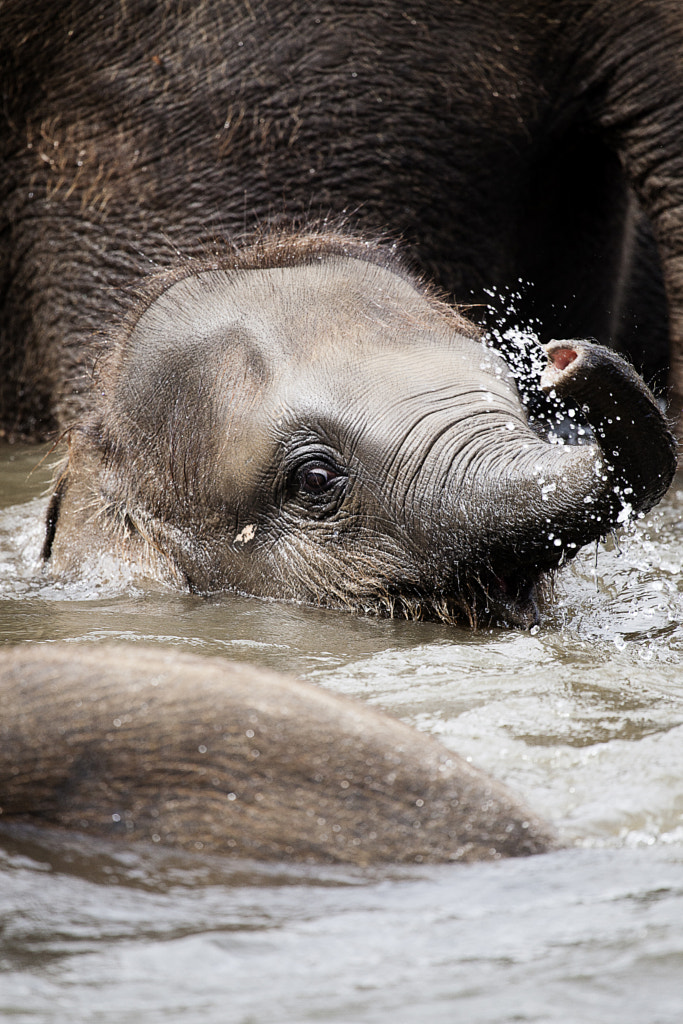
[202, 754]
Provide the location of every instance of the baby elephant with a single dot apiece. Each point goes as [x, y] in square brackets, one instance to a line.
[306, 420]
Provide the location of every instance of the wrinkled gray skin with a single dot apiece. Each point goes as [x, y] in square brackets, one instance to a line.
[202, 754]
[504, 140]
[326, 431]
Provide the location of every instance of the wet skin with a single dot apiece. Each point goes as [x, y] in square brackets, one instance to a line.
[328, 432]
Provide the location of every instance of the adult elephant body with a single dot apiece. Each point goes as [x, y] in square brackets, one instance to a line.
[503, 140]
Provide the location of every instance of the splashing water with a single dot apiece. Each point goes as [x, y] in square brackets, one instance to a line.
[558, 420]
[583, 717]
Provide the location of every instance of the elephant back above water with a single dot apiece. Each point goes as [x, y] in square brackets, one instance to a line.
[305, 420]
[206, 755]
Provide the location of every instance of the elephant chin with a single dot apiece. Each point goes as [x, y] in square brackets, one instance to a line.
[487, 599]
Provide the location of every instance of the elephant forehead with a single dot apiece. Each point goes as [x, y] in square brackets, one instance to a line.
[340, 339]
[297, 313]
[398, 384]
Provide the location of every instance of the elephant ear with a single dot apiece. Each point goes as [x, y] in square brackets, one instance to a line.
[171, 382]
[175, 375]
[631, 75]
[173, 366]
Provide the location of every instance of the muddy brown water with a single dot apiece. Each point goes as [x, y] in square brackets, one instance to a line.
[583, 716]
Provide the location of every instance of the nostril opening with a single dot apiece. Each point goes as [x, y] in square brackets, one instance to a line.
[562, 357]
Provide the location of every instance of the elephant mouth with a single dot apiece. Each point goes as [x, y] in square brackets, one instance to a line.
[513, 599]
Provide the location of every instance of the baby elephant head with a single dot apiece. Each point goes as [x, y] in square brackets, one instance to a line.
[308, 422]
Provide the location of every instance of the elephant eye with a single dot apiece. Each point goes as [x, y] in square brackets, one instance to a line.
[316, 477]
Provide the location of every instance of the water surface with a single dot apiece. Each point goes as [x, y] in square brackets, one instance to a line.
[582, 716]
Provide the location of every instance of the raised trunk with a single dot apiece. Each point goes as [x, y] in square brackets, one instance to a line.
[589, 489]
[637, 446]
[541, 502]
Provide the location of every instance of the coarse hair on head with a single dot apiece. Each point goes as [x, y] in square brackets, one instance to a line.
[291, 245]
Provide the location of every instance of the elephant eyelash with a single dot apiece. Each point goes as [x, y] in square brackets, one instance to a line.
[317, 484]
[304, 452]
[313, 484]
